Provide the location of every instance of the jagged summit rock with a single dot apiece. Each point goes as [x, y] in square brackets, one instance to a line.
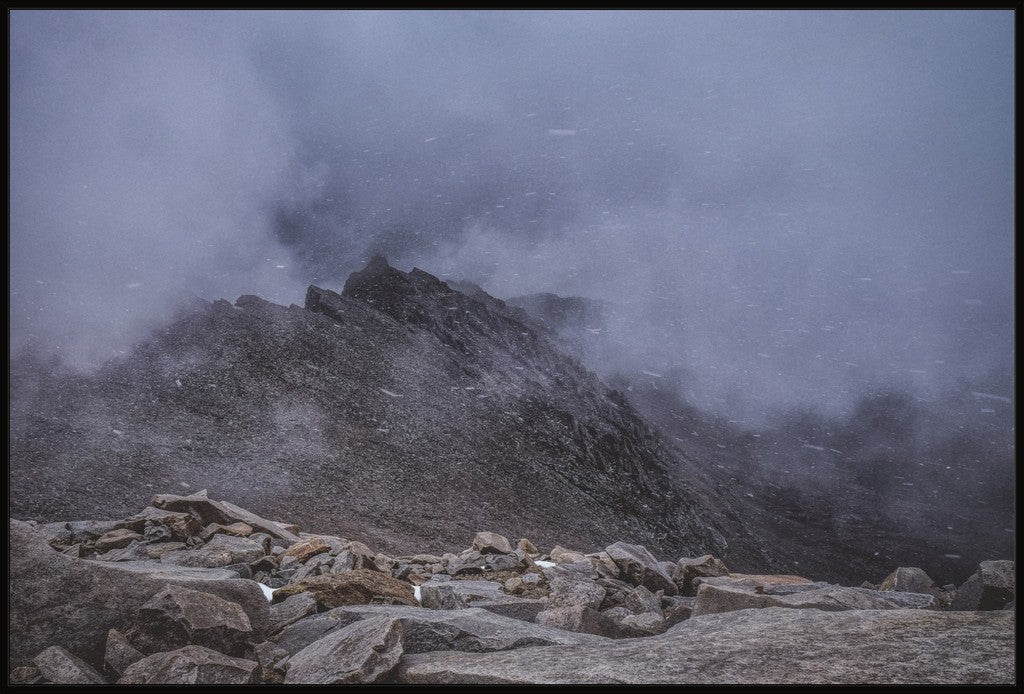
[398, 411]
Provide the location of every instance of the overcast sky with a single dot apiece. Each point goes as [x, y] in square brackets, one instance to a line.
[792, 206]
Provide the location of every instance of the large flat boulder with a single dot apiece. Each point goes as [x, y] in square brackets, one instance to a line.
[190, 665]
[360, 653]
[57, 600]
[713, 599]
[472, 629]
[770, 646]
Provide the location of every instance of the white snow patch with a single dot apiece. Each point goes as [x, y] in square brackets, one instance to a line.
[544, 564]
[416, 592]
[813, 447]
[268, 592]
[389, 393]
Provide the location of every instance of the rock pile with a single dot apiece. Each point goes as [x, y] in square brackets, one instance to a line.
[197, 591]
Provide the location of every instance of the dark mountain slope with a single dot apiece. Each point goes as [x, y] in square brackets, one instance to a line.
[400, 413]
[899, 481]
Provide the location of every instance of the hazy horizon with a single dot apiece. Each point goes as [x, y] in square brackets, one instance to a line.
[792, 207]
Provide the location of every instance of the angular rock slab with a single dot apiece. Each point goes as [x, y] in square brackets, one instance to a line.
[190, 665]
[182, 525]
[290, 611]
[687, 569]
[119, 652]
[307, 548]
[992, 587]
[221, 550]
[715, 599]
[770, 646]
[209, 511]
[640, 568]
[61, 667]
[491, 543]
[362, 652]
[178, 616]
[473, 629]
[908, 579]
[58, 600]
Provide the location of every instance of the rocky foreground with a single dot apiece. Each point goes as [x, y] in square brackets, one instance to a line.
[197, 591]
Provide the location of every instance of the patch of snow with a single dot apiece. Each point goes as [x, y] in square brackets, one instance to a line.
[389, 393]
[544, 564]
[416, 592]
[268, 592]
[813, 447]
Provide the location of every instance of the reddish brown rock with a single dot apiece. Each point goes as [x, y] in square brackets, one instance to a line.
[358, 587]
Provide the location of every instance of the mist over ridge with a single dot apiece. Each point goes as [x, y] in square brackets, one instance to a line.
[792, 208]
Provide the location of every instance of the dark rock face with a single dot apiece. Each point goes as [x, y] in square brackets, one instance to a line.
[398, 393]
[992, 587]
[770, 646]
